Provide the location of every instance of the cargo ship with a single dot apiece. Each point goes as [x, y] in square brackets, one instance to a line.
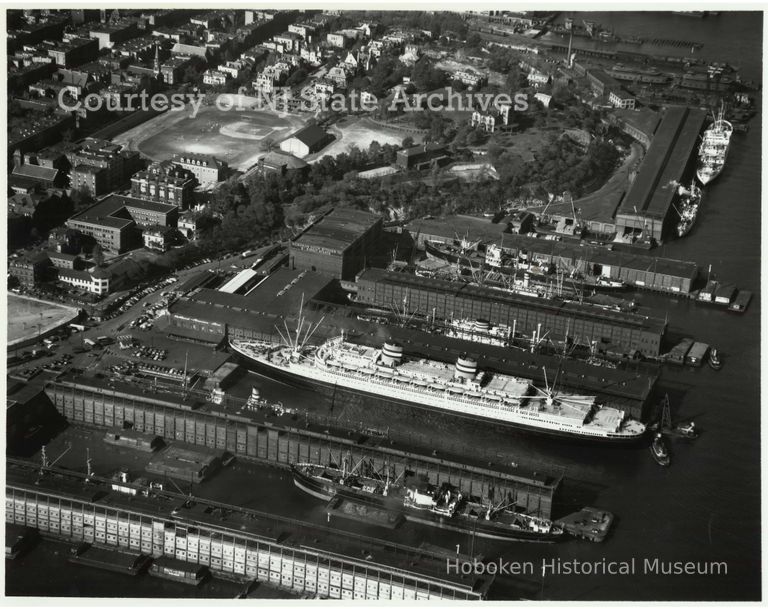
[474, 260]
[689, 202]
[714, 149]
[460, 389]
[419, 501]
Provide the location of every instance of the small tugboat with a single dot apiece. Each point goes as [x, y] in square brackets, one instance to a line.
[659, 450]
[687, 430]
[714, 360]
[689, 208]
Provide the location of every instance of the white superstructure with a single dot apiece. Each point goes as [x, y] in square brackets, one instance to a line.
[714, 149]
[459, 388]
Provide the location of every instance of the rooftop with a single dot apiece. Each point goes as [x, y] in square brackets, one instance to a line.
[279, 294]
[491, 295]
[337, 230]
[664, 164]
[310, 135]
[112, 211]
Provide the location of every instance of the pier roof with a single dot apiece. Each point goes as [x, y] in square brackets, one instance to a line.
[529, 302]
[371, 553]
[576, 250]
[665, 163]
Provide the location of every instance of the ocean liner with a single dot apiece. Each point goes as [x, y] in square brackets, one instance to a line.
[714, 149]
[459, 389]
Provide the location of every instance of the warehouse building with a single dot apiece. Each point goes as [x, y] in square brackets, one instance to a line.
[609, 331]
[340, 244]
[630, 266]
[647, 207]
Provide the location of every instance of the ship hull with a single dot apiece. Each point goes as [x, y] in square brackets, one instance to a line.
[335, 392]
[436, 252]
[327, 489]
[320, 489]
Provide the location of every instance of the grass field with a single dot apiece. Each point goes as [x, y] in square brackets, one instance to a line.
[25, 314]
[232, 136]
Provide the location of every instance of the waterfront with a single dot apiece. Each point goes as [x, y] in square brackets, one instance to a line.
[704, 509]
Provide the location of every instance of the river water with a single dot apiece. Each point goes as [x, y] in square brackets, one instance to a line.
[705, 508]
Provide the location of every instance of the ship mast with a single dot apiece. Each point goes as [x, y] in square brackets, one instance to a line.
[296, 341]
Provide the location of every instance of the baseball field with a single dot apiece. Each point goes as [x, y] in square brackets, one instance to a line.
[232, 136]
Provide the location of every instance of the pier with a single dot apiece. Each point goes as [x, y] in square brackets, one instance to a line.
[249, 546]
[285, 440]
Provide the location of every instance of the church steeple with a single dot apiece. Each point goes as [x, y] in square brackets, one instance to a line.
[157, 60]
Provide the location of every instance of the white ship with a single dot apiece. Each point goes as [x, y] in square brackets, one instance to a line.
[714, 149]
[479, 331]
[459, 389]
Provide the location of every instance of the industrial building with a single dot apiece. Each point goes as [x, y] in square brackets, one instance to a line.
[305, 141]
[317, 561]
[614, 332]
[209, 316]
[633, 267]
[630, 265]
[339, 244]
[647, 206]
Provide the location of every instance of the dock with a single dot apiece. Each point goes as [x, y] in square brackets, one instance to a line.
[677, 354]
[285, 439]
[110, 559]
[295, 555]
[588, 523]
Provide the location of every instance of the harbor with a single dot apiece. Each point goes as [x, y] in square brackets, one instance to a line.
[349, 376]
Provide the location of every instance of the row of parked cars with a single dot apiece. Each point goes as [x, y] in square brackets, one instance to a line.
[140, 292]
[151, 353]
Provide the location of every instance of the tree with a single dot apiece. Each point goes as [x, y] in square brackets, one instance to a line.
[407, 142]
[267, 144]
[98, 255]
[296, 78]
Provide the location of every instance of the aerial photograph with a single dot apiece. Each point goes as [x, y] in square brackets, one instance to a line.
[383, 304]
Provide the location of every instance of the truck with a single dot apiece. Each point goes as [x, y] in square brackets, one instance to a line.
[247, 253]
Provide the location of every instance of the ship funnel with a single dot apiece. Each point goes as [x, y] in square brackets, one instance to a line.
[391, 354]
[466, 368]
[482, 325]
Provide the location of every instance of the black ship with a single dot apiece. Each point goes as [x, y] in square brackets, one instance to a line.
[419, 501]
